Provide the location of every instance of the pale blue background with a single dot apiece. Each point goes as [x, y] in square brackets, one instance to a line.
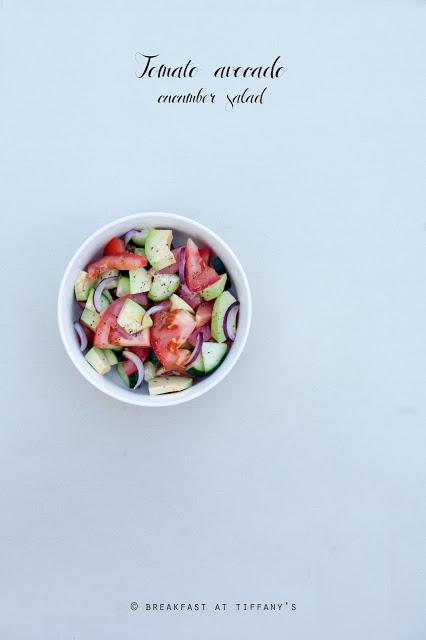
[300, 478]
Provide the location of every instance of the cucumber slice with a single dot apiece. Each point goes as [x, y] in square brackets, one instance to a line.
[140, 280]
[90, 318]
[106, 300]
[108, 274]
[157, 248]
[107, 296]
[197, 368]
[213, 353]
[215, 289]
[150, 370]
[130, 317]
[178, 303]
[123, 287]
[98, 359]
[82, 286]
[129, 381]
[218, 314]
[139, 251]
[140, 239]
[168, 384]
[147, 321]
[163, 285]
[111, 357]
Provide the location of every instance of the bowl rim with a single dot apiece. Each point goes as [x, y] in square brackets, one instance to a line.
[166, 399]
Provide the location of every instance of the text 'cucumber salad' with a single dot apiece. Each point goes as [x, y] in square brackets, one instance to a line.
[156, 314]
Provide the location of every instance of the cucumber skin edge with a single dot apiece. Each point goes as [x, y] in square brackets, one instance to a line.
[196, 373]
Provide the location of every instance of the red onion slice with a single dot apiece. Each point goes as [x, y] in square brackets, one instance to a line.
[139, 365]
[98, 291]
[129, 235]
[181, 262]
[197, 350]
[230, 321]
[163, 306]
[82, 336]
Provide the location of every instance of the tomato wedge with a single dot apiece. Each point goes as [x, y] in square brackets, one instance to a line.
[108, 322]
[120, 338]
[121, 261]
[129, 367]
[170, 331]
[142, 352]
[203, 315]
[198, 274]
[108, 318]
[115, 245]
[205, 254]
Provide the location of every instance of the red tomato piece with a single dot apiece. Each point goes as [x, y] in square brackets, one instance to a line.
[198, 274]
[203, 314]
[108, 318]
[170, 331]
[108, 322]
[191, 298]
[129, 367]
[115, 245]
[120, 338]
[142, 352]
[205, 254]
[121, 261]
[182, 358]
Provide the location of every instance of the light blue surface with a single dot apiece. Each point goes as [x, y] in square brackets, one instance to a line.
[302, 477]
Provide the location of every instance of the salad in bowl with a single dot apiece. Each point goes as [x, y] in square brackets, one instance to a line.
[154, 258]
[156, 310]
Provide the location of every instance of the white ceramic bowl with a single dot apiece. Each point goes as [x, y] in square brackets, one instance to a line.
[68, 310]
